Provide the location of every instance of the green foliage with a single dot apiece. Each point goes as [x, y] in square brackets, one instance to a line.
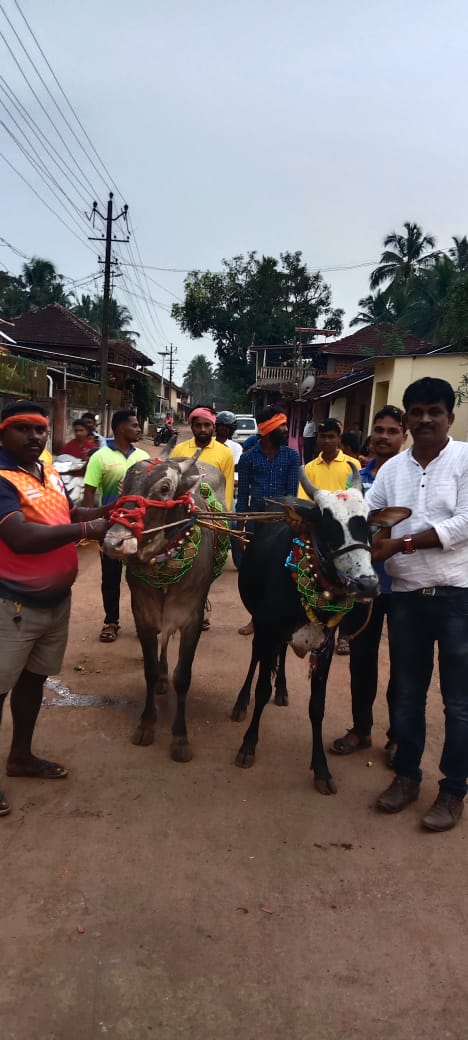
[144, 395]
[427, 293]
[38, 285]
[253, 300]
[199, 380]
[89, 308]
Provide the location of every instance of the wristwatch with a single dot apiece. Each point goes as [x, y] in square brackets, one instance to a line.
[408, 547]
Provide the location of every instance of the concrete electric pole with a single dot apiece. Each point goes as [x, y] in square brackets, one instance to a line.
[108, 238]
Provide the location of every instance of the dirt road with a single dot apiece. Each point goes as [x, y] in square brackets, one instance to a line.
[143, 898]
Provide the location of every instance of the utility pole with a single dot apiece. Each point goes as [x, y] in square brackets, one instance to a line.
[108, 238]
[171, 351]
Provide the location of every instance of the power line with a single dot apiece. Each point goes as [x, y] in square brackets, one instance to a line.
[44, 84]
[36, 96]
[64, 95]
[41, 137]
[52, 210]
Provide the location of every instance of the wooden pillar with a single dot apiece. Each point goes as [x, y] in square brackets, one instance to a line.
[59, 431]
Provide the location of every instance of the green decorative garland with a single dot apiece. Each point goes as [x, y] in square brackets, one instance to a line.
[172, 570]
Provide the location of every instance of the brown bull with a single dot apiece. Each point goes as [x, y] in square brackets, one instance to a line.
[170, 562]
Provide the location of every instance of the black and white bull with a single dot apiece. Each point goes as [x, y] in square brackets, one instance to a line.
[337, 569]
[155, 495]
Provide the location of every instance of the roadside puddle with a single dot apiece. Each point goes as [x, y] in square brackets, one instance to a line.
[58, 695]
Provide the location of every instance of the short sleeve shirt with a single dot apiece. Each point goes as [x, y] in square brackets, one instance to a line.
[107, 468]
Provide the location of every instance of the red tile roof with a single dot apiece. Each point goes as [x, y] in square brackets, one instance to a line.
[57, 328]
[375, 339]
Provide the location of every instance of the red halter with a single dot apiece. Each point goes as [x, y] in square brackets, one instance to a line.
[133, 516]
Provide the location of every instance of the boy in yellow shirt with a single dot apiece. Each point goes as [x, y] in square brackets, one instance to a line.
[331, 469]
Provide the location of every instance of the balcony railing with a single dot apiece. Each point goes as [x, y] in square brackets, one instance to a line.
[285, 373]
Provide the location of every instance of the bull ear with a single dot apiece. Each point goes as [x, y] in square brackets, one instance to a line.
[389, 517]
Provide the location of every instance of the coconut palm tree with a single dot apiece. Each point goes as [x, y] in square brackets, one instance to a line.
[404, 256]
[459, 253]
[382, 308]
[89, 308]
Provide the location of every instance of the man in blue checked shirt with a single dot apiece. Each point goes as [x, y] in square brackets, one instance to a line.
[269, 470]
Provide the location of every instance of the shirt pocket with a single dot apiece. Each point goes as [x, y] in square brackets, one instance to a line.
[441, 500]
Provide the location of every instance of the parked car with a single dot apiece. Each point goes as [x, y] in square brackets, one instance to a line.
[246, 426]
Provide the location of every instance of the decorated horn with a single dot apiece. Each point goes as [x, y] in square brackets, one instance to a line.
[355, 478]
[306, 484]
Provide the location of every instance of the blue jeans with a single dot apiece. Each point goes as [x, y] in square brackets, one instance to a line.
[416, 622]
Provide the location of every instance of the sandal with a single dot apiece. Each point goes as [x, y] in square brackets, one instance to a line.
[344, 746]
[342, 647]
[206, 624]
[4, 807]
[109, 632]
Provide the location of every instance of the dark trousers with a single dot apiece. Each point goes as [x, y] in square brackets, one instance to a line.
[417, 622]
[364, 663]
[110, 588]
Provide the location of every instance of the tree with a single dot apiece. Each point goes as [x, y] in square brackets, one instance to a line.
[199, 380]
[38, 285]
[89, 308]
[459, 253]
[253, 300]
[406, 257]
[382, 308]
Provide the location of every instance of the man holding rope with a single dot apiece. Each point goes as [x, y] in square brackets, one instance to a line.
[38, 565]
[269, 470]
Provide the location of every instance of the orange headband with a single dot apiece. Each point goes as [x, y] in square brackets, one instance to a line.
[29, 417]
[272, 424]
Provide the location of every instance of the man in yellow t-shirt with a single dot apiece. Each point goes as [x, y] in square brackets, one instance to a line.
[202, 420]
[330, 472]
[331, 469]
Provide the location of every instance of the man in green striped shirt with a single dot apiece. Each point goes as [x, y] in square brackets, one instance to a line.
[105, 471]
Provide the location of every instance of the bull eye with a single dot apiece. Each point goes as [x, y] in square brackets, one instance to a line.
[332, 529]
[358, 529]
[164, 488]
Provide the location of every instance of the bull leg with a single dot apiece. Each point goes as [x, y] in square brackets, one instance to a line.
[163, 680]
[180, 745]
[144, 733]
[239, 710]
[246, 754]
[281, 690]
[323, 779]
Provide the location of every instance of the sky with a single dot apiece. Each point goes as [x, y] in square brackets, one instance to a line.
[236, 126]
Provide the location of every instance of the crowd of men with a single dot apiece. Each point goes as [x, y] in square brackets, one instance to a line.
[422, 566]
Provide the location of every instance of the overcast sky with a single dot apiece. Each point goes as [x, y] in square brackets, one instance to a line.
[258, 124]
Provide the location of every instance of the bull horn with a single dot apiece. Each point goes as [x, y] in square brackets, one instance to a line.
[355, 478]
[185, 465]
[306, 484]
[196, 457]
[169, 446]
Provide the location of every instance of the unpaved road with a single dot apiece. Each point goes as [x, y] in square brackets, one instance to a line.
[143, 898]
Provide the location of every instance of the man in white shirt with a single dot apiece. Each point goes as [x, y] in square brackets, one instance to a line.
[427, 557]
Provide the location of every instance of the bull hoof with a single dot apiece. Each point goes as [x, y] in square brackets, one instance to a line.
[281, 698]
[181, 750]
[326, 786]
[144, 734]
[245, 759]
[162, 687]
[238, 713]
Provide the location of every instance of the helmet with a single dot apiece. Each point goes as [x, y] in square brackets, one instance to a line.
[227, 419]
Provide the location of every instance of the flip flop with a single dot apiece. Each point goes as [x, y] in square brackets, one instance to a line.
[41, 770]
[109, 632]
[4, 807]
[342, 647]
[343, 745]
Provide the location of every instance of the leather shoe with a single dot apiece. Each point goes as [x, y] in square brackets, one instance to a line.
[445, 813]
[402, 792]
[246, 630]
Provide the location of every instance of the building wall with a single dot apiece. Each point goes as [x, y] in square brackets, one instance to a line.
[393, 375]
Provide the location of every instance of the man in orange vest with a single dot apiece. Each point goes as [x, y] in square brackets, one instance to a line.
[38, 565]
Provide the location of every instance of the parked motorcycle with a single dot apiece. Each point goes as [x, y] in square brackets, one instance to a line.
[163, 434]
